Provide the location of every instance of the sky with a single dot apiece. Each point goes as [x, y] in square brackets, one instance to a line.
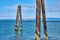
[8, 9]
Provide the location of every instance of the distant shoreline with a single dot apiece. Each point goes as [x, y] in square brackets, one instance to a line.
[47, 19]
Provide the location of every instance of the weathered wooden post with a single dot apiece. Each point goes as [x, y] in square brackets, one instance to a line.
[38, 13]
[16, 25]
[17, 16]
[44, 20]
[20, 19]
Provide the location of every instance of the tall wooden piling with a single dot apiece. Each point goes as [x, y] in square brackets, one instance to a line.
[38, 13]
[17, 17]
[16, 25]
[20, 19]
[44, 20]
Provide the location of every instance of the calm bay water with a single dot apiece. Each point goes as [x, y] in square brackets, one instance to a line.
[7, 31]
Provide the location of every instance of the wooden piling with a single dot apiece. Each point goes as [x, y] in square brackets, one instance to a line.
[16, 25]
[20, 19]
[44, 20]
[38, 13]
[17, 17]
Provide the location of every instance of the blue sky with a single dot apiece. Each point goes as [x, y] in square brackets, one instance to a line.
[8, 8]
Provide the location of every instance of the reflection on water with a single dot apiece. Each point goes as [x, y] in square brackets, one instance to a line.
[18, 35]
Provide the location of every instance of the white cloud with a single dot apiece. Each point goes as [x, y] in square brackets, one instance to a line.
[27, 9]
[25, 6]
[53, 6]
[29, 17]
[12, 7]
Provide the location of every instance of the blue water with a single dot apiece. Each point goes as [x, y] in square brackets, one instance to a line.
[7, 31]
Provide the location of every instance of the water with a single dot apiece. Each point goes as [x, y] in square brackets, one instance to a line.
[7, 31]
